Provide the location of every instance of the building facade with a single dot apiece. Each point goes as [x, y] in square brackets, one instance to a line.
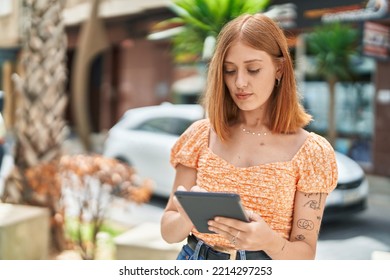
[131, 72]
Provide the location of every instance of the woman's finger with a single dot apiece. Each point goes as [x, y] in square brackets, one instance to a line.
[181, 188]
[197, 189]
[222, 228]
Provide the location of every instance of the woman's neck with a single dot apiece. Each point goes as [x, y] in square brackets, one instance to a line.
[252, 120]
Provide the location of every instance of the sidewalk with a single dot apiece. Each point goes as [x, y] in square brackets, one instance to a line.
[379, 191]
[379, 185]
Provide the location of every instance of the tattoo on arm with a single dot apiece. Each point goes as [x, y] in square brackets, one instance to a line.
[300, 237]
[313, 203]
[305, 224]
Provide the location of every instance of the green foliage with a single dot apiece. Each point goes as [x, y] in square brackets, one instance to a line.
[82, 233]
[73, 227]
[333, 46]
[202, 18]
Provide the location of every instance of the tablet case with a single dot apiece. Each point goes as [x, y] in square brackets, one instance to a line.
[204, 206]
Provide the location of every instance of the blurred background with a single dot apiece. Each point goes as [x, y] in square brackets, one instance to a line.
[94, 93]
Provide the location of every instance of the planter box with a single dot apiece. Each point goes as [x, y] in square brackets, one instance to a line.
[144, 242]
[24, 232]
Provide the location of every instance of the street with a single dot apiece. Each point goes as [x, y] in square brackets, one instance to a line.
[357, 237]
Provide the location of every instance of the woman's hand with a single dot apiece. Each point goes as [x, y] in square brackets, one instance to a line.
[244, 236]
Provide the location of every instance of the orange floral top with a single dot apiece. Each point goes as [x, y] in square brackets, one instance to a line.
[268, 189]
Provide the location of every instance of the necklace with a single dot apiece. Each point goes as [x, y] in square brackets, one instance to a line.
[247, 131]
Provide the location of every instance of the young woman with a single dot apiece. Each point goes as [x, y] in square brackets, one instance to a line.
[252, 143]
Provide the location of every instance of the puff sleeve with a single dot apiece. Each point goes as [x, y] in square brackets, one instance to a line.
[317, 167]
[188, 147]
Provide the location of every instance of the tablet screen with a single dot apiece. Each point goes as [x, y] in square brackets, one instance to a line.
[204, 206]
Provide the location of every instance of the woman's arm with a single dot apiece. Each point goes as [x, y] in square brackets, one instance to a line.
[257, 235]
[175, 224]
[308, 214]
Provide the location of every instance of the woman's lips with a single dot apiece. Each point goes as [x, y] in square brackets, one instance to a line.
[243, 95]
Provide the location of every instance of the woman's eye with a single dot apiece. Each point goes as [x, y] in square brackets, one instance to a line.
[253, 71]
[229, 72]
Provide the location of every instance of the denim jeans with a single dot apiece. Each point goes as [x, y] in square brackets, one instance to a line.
[187, 253]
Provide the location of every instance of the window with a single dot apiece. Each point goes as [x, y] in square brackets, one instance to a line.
[354, 107]
[354, 115]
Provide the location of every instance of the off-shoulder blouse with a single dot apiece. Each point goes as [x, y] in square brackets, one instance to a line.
[267, 189]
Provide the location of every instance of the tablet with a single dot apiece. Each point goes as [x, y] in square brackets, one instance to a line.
[204, 206]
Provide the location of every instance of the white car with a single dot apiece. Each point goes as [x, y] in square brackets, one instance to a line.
[144, 137]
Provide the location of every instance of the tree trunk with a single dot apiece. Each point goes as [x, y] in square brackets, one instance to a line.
[40, 128]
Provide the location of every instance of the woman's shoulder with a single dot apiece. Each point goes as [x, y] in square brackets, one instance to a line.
[188, 146]
[317, 142]
[317, 165]
[315, 148]
[197, 132]
[202, 124]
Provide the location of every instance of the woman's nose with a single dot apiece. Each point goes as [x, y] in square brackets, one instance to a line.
[241, 81]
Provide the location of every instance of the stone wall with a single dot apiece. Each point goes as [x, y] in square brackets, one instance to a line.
[24, 232]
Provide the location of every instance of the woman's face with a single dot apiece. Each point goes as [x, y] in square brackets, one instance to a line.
[249, 75]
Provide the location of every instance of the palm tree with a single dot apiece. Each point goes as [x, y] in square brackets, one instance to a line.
[40, 127]
[201, 19]
[333, 46]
